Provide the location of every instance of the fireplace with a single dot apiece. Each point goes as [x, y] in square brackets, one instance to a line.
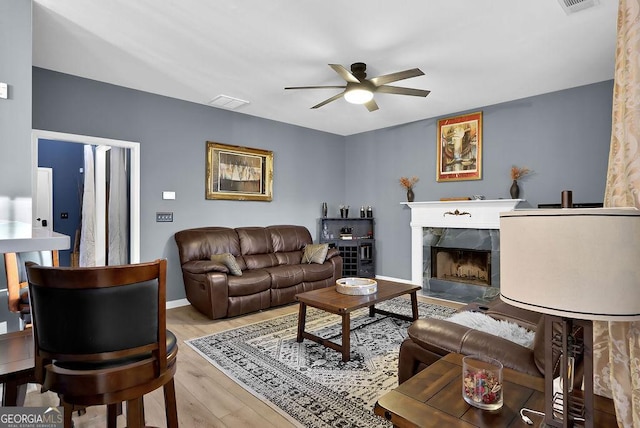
[455, 249]
[461, 265]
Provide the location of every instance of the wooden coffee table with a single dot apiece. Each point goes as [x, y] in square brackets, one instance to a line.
[329, 300]
[433, 398]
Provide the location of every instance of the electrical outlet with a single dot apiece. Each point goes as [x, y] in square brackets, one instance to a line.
[164, 217]
[64, 215]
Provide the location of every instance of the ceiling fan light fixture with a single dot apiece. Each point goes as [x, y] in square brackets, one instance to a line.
[358, 96]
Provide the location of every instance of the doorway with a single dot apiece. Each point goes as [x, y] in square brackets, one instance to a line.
[101, 144]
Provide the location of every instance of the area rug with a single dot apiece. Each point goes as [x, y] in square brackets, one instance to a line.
[307, 382]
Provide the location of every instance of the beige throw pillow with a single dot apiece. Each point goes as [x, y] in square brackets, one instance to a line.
[315, 253]
[229, 261]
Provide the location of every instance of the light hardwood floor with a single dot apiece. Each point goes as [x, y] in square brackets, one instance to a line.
[206, 397]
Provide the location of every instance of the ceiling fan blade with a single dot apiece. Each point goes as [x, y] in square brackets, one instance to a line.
[394, 77]
[344, 73]
[315, 87]
[327, 101]
[371, 105]
[386, 89]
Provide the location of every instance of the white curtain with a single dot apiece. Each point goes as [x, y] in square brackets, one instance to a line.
[87, 231]
[118, 222]
[616, 346]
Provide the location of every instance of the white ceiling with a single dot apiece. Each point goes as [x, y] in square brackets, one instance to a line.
[474, 53]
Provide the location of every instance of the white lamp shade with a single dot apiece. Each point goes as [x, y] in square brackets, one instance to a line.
[358, 96]
[576, 263]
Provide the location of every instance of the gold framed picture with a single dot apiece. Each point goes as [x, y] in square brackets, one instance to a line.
[238, 173]
[459, 142]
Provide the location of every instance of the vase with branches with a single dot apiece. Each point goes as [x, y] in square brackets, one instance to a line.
[408, 184]
[516, 174]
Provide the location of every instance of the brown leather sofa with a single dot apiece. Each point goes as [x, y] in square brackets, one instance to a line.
[271, 262]
[430, 339]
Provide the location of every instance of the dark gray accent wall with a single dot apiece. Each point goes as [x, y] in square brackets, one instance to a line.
[65, 159]
[563, 137]
[308, 165]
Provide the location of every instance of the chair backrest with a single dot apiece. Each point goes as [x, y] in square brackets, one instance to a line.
[98, 314]
[17, 275]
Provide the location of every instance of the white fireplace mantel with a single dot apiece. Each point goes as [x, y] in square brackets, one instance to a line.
[467, 214]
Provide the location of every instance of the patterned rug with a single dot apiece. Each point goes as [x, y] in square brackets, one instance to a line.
[307, 382]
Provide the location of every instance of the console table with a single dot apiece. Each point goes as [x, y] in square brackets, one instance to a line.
[433, 398]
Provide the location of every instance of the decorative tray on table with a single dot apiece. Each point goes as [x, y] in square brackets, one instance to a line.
[356, 286]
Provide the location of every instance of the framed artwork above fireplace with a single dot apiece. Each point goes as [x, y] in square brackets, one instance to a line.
[459, 142]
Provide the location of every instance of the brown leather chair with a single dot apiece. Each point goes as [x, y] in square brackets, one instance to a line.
[100, 337]
[430, 339]
[17, 287]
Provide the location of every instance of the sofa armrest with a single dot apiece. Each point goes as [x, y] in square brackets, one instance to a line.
[333, 252]
[204, 266]
[441, 336]
[413, 358]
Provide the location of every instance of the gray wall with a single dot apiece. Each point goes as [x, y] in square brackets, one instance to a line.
[563, 137]
[15, 112]
[308, 165]
[15, 125]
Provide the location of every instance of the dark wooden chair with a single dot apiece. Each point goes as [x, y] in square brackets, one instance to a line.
[17, 287]
[100, 337]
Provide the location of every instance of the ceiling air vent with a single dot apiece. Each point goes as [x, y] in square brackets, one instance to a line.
[227, 102]
[571, 6]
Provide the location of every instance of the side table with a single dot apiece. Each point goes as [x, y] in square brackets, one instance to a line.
[433, 398]
[16, 365]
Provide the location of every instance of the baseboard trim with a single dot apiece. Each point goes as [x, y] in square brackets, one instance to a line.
[177, 303]
[390, 278]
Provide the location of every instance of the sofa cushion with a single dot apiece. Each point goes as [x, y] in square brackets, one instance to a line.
[229, 261]
[289, 237]
[251, 282]
[261, 261]
[315, 253]
[289, 257]
[285, 276]
[254, 240]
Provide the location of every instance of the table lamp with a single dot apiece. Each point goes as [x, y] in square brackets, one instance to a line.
[575, 266]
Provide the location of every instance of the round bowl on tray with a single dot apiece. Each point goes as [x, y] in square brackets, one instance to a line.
[356, 286]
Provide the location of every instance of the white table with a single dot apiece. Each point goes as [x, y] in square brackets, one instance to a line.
[17, 237]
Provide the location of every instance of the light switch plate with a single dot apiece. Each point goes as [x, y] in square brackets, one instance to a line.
[168, 195]
[3, 90]
[164, 217]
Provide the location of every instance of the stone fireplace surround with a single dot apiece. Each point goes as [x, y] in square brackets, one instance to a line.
[475, 220]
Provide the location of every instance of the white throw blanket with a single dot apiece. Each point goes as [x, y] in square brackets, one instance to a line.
[504, 329]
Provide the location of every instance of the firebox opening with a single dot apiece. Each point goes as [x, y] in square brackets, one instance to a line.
[461, 265]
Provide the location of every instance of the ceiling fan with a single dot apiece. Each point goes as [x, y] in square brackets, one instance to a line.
[360, 90]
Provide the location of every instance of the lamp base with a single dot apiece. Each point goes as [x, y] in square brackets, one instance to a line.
[568, 407]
